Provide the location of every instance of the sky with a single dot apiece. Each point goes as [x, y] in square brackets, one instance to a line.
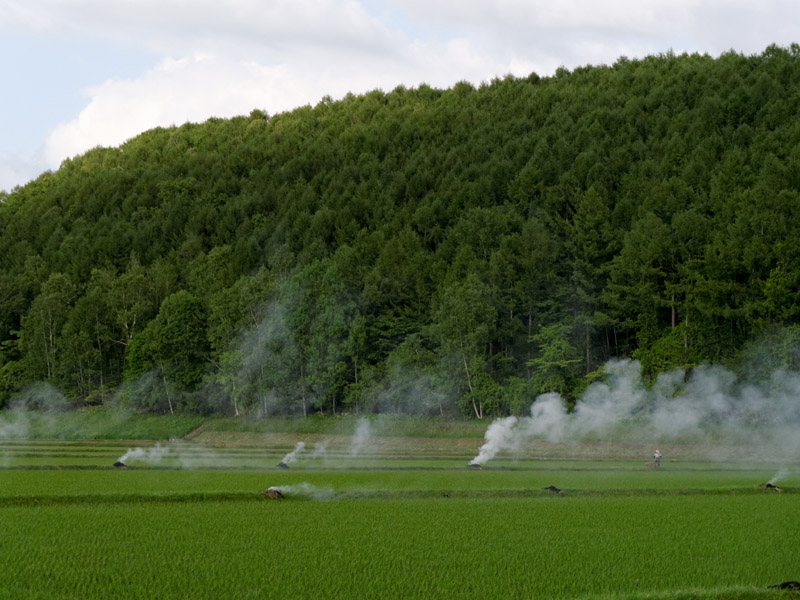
[77, 74]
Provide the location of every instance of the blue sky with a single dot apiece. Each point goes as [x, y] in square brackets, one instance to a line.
[82, 73]
[47, 76]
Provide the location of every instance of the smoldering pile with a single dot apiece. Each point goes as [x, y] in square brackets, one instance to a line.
[770, 486]
[793, 586]
[272, 493]
[298, 490]
[175, 454]
[292, 456]
[554, 489]
[152, 455]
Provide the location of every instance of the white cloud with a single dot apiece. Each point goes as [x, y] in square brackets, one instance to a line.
[230, 56]
[546, 34]
[177, 91]
[183, 26]
[194, 89]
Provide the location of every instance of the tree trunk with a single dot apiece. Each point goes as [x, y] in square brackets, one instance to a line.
[476, 406]
[588, 357]
[686, 331]
[235, 402]
[166, 390]
[303, 390]
[100, 350]
[673, 311]
[46, 353]
[355, 380]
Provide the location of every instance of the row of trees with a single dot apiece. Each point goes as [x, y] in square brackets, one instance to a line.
[453, 252]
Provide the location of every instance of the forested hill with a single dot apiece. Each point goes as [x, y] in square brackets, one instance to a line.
[455, 251]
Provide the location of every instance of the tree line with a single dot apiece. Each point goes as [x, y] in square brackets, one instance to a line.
[453, 252]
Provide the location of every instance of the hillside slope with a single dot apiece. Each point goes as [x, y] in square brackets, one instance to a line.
[432, 251]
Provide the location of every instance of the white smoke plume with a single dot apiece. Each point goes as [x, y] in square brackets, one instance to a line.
[14, 425]
[184, 456]
[779, 476]
[193, 456]
[408, 389]
[269, 342]
[499, 436]
[710, 403]
[152, 455]
[304, 489]
[292, 456]
[319, 451]
[361, 437]
[34, 411]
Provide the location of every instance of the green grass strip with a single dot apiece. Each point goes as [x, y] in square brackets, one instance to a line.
[331, 495]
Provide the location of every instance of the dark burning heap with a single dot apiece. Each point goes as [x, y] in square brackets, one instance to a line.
[770, 486]
[120, 465]
[787, 585]
[554, 489]
[283, 465]
[272, 493]
[473, 465]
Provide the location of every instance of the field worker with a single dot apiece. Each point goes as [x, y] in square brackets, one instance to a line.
[657, 459]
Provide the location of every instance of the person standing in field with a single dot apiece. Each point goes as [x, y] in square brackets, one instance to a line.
[656, 459]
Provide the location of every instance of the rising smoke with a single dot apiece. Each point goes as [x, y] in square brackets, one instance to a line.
[361, 437]
[33, 412]
[177, 453]
[501, 435]
[14, 425]
[304, 489]
[779, 476]
[152, 455]
[270, 342]
[320, 451]
[292, 456]
[708, 404]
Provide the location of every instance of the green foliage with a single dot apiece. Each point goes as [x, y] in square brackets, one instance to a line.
[527, 230]
[172, 348]
[777, 350]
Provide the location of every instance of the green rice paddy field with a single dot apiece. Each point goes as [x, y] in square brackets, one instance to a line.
[401, 518]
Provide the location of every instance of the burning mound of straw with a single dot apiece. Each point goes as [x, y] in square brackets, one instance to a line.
[770, 486]
[272, 494]
[787, 585]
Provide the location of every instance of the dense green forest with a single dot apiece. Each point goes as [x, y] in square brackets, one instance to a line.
[431, 251]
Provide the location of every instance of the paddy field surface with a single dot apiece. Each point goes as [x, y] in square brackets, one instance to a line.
[397, 515]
